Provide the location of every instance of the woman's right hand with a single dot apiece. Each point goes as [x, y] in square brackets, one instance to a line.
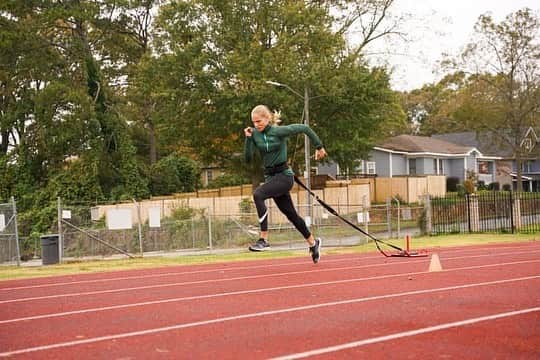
[248, 131]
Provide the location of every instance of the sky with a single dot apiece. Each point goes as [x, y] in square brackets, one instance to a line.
[434, 27]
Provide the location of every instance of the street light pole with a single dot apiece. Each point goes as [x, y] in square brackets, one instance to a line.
[306, 153]
[307, 173]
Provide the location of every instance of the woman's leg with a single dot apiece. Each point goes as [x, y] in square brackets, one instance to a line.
[286, 206]
[276, 186]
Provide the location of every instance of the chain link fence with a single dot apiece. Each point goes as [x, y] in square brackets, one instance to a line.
[9, 234]
[89, 230]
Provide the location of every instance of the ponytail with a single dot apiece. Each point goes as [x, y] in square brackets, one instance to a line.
[273, 116]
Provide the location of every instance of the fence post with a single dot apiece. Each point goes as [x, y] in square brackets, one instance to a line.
[139, 226]
[398, 218]
[516, 212]
[474, 215]
[17, 249]
[429, 223]
[365, 215]
[60, 231]
[389, 217]
[209, 230]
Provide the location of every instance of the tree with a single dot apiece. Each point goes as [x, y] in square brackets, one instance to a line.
[246, 43]
[504, 89]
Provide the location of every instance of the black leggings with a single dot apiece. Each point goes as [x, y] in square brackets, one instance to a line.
[278, 188]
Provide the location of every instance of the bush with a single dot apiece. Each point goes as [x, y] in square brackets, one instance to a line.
[507, 187]
[174, 173]
[494, 186]
[227, 180]
[482, 185]
[422, 221]
[469, 186]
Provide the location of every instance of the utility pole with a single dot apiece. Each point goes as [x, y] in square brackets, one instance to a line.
[306, 154]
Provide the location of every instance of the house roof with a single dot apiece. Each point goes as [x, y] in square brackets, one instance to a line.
[423, 144]
[486, 142]
[482, 141]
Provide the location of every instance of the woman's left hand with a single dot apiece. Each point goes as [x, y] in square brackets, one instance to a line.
[320, 153]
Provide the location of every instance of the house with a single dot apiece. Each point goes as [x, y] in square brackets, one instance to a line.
[452, 155]
[409, 155]
[498, 163]
[422, 155]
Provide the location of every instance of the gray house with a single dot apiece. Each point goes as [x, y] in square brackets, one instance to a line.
[499, 163]
[415, 155]
[421, 155]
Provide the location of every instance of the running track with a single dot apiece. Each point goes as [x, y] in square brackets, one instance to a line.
[485, 304]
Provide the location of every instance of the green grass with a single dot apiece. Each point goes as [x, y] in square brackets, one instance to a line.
[93, 266]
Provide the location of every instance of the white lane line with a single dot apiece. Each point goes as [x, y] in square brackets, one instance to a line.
[137, 277]
[404, 334]
[255, 315]
[243, 292]
[145, 287]
[445, 251]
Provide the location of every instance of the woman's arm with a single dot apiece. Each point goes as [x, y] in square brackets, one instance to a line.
[293, 129]
[248, 145]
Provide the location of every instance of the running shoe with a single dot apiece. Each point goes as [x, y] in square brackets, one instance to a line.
[315, 250]
[260, 245]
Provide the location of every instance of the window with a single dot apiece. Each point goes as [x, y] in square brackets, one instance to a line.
[370, 167]
[412, 166]
[483, 167]
[360, 168]
[438, 166]
[526, 166]
[209, 175]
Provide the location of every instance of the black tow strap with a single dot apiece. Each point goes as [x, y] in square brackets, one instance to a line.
[334, 212]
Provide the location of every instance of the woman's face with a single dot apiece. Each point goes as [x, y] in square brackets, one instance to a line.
[260, 121]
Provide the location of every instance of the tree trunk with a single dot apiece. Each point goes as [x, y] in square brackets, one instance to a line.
[519, 172]
[4, 144]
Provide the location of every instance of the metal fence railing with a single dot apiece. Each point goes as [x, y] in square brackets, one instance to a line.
[494, 211]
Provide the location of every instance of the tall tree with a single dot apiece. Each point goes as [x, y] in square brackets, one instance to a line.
[247, 43]
[504, 58]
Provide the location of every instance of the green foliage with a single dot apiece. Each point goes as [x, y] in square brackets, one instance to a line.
[174, 173]
[227, 180]
[461, 190]
[87, 113]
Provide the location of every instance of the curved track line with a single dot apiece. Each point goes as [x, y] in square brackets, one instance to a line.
[236, 278]
[172, 273]
[243, 292]
[255, 315]
[405, 334]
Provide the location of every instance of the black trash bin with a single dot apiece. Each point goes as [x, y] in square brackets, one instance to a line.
[49, 249]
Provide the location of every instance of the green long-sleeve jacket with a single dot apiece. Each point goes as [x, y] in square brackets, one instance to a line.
[272, 143]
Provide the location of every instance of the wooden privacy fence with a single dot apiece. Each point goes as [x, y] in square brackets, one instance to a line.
[226, 201]
[410, 189]
[337, 193]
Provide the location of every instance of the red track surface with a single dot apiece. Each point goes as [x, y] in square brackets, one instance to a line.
[485, 304]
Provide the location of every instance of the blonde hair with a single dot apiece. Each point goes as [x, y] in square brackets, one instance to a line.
[273, 116]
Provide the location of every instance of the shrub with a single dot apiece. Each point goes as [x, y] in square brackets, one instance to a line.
[227, 180]
[469, 186]
[174, 173]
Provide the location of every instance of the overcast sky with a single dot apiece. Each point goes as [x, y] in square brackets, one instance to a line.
[435, 27]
